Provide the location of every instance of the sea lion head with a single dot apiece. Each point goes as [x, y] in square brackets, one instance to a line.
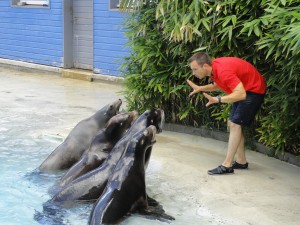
[156, 117]
[146, 138]
[118, 124]
[113, 108]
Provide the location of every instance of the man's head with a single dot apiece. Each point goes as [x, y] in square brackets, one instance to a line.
[200, 64]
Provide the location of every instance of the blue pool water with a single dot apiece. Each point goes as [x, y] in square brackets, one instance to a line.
[23, 191]
[25, 143]
[36, 113]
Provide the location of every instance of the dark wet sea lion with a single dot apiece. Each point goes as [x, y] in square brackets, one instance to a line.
[100, 147]
[126, 188]
[79, 139]
[91, 185]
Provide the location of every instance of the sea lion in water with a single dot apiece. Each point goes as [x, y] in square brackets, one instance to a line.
[79, 139]
[100, 147]
[91, 185]
[126, 188]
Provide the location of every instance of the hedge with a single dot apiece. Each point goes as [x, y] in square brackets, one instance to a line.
[163, 34]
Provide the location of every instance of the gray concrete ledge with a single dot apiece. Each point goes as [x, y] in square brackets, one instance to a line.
[223, 136]
[107, 78]
[25, 65]
[66, 73]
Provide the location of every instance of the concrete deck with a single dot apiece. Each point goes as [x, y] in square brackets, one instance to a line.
[268, 193]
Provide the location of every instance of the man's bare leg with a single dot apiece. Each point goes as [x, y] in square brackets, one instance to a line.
[236, 138]
[240, 153]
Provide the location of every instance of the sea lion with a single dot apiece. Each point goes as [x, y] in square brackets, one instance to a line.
[126, 188]
[100, 147]
[79, 139]
[91, 185]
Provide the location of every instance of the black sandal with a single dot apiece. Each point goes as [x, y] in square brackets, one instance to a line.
[236, 165]
[221, 170]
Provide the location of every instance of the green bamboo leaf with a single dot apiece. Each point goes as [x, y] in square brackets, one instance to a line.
[265, 21]
[161, 11]
[257, 31]
[260, 46]
[197, 32]
[227, 20]
[229, 33]
[233, 19]
[296, 15]
[151, 82]
[250, 31]
[225, 32]
[296, 47]
[197, 7]
[204, 22]
[200, 49]
[270, 51]
[159, 88]
[184, 114]
[283, 2]
[245, 28]
[145, 63]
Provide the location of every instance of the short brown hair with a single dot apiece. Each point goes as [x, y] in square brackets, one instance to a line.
[201, 58]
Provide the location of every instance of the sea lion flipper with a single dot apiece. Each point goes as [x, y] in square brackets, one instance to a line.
[155, 211]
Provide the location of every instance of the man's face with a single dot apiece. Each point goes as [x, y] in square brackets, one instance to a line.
[198, 71]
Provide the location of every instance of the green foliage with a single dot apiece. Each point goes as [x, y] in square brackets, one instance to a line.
[163, 34]
[280, 46]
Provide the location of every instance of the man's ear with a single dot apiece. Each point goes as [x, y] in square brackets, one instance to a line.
[206, 66]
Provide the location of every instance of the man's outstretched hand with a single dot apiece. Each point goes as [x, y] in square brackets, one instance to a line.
[194, 86]
[211, 99]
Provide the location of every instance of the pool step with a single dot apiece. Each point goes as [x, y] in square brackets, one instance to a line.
[79, 74]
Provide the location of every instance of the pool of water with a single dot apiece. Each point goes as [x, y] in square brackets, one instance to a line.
[33, 122]
[24, 146]
[29, 136]
[26, 141]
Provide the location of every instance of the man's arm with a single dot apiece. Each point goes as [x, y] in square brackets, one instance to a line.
[205, 88]
[238, 94]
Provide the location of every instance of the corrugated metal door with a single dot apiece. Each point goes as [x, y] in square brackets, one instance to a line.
[83, 34]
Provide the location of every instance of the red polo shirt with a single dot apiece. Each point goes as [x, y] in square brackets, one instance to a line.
[228, 72]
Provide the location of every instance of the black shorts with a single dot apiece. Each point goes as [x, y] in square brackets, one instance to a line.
[243, 112]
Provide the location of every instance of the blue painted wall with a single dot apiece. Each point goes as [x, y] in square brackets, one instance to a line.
[36, 35]
[109, 39]
[32, 34]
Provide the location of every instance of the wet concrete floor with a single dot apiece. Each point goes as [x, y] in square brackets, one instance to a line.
[268, 193]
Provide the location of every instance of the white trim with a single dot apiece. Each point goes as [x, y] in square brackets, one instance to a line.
[34, 2]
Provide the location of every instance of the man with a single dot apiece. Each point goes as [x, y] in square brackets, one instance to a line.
[244, 86]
